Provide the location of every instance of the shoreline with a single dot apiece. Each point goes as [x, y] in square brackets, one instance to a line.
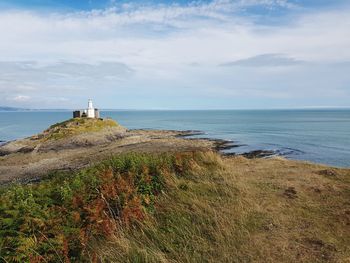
[78, 143]
[279, 134]
[221, 146]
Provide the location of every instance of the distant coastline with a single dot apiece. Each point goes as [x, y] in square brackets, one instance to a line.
[11, 109]
[14, 109]
[307, 108]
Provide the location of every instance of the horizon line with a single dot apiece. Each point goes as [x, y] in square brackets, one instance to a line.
[15, 109]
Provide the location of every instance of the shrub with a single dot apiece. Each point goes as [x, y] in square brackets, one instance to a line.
[54, 220]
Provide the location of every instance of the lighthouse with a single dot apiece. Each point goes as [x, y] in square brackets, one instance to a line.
[90, 110]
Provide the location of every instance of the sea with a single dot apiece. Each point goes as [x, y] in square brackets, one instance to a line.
[317, 135]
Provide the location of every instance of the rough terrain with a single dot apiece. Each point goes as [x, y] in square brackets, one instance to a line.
[77, 143]
[248, 210]
[211, 208]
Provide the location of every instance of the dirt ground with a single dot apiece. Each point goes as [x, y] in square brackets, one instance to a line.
[300, 211]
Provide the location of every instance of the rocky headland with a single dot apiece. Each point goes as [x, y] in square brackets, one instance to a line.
[78, 143]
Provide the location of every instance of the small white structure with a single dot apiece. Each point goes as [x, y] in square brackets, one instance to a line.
[90, 112]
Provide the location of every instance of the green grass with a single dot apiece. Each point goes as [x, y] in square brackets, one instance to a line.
[179, 207]
[220, 213]
[76, 126]
[56, 219]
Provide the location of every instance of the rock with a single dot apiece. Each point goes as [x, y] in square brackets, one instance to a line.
[35, 156]
[322, 249]
[258, 154]
[15, 147]
[327, 172]
[290, 193]
[189, 133]
[270, 226]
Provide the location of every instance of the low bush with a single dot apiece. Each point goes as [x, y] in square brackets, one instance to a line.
[56, 219]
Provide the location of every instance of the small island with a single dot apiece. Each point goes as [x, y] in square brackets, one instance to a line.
[90, 190]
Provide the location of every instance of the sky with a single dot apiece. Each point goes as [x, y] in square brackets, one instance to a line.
[220, 54]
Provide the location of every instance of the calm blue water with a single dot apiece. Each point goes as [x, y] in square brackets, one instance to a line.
[321, 136]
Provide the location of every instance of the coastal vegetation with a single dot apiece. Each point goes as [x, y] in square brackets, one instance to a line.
[59, 218]
[76, 126]
[180, 207]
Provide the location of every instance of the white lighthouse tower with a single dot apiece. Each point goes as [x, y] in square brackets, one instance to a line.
[90, 110]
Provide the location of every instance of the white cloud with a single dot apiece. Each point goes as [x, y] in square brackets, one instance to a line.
[20, 98]
[152, 50]
[164, 34]
[265, 60]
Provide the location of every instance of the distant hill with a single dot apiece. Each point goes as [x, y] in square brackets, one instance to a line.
[5, 108]
[11, 109]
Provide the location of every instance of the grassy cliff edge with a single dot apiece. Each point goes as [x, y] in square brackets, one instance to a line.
[180, 207]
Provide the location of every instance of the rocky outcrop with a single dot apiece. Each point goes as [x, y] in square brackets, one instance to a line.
[73, 145]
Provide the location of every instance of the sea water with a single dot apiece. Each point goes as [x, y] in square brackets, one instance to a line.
[321, 135]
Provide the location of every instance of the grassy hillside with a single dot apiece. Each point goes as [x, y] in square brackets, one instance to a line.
[240, 210]
[59, 218]
[76, 126]
[180, 207]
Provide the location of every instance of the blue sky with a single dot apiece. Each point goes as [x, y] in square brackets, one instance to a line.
[96, 4]
[220, 54]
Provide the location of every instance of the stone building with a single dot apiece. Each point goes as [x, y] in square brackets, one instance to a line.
[90, 112]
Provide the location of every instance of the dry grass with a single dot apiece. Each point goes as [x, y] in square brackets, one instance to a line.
[240, 210]
[76, 126]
